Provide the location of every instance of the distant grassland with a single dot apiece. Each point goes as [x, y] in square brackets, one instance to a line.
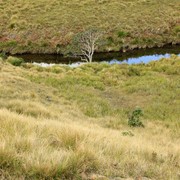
[47, 26]
[72, 123]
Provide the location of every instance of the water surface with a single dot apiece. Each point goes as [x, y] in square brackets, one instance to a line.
[131, 57]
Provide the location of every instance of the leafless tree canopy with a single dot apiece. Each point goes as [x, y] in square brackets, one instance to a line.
[85, 44]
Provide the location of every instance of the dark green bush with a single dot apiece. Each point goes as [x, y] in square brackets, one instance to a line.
[15, 61]
[134, 119]
[122, 34]
[3, 55]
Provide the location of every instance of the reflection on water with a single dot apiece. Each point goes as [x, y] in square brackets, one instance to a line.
[132, 57]
[142, 59]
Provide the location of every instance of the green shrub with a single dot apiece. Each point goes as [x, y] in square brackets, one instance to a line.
[3, 55]
[134, 119]
[122, 34]
[177, 29]
[8, 44]
[15, 61]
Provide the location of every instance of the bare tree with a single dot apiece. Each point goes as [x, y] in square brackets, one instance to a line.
[85, 43]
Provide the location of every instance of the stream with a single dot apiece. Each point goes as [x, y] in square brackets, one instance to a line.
[131, 57]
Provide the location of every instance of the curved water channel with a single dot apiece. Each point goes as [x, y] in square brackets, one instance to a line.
[131, 57]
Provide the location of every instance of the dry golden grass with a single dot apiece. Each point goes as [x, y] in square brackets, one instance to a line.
[37, 148]
[45, 133]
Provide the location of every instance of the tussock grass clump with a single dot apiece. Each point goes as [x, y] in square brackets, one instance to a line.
[34, 109]
[61, 126]
[15, 61]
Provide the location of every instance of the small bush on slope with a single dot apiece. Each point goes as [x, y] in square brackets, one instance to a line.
[134, 119]
[15, 61]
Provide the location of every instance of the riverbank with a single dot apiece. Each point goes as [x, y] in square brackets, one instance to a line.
[60, 122]
[48, 27]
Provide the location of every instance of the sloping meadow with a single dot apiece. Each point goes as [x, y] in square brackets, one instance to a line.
[72, 123]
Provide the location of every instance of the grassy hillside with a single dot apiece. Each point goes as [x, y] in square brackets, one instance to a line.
[46, 26]
[69, 123]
